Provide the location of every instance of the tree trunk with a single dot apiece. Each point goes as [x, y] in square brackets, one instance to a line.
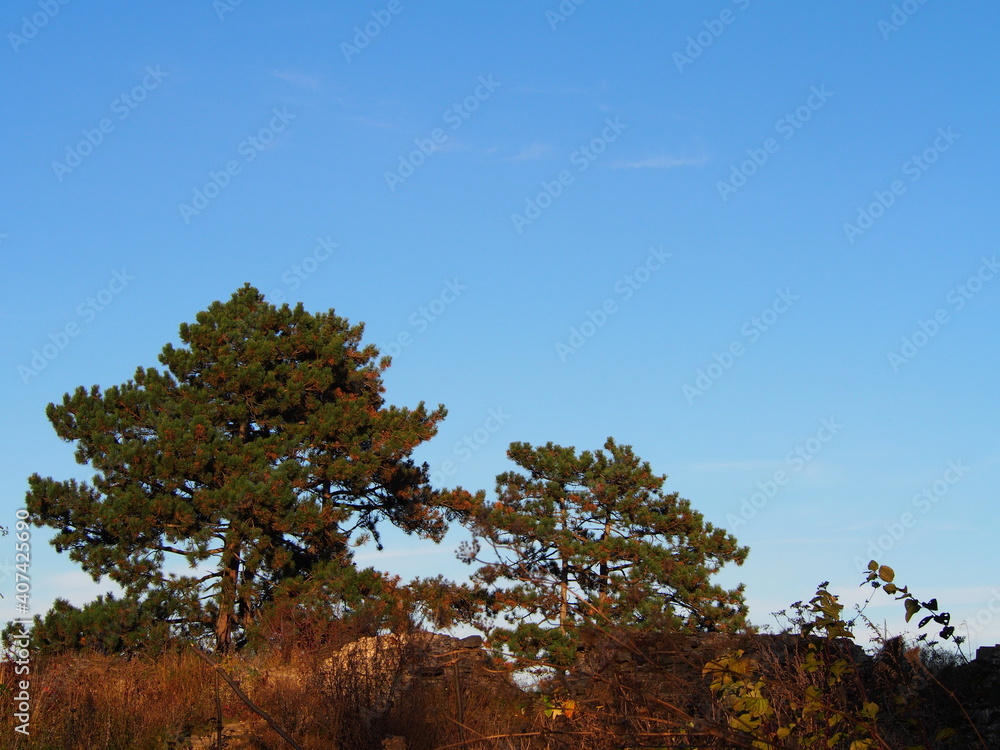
[225, 620]
[563, 578]
[603, 584]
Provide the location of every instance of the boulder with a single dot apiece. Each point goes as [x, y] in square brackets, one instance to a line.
[373, 673]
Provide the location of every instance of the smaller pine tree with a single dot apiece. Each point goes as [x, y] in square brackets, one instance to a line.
[593, 540]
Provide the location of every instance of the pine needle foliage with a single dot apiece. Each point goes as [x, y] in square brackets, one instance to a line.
[262, 455]
[591, 540]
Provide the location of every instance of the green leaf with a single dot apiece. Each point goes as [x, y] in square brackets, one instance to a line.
[869, 710]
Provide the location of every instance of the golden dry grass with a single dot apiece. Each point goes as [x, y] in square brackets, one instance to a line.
[107, 703]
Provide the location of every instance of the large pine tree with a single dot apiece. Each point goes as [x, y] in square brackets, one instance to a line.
[262, 454]
[593, 540]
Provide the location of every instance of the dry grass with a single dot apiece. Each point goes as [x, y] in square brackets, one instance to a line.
[96, 702]
[645, 698]
[93, 701]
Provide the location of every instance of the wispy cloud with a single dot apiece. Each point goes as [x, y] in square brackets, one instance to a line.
[714, 466]
[398, 554]
[312, 83]
[369, 123]
[600, 88]
[530, 153]
[861, 526]
[773, 542]
[666, 161]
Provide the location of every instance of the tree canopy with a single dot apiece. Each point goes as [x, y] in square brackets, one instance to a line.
[262, 455]
[592, 540]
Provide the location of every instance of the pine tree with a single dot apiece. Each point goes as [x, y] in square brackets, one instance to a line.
[262, 455]
[592, 540]
[106, 625]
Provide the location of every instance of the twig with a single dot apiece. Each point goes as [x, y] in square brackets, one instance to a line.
[459, 709]
[957, 702]
[218, 714]
[246, 699]
[508, 736]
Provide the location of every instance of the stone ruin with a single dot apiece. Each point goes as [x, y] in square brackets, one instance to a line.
[376, 672]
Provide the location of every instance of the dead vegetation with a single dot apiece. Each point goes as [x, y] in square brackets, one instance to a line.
[423, 692]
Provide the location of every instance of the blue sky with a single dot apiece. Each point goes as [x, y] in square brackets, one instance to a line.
[755, 241]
